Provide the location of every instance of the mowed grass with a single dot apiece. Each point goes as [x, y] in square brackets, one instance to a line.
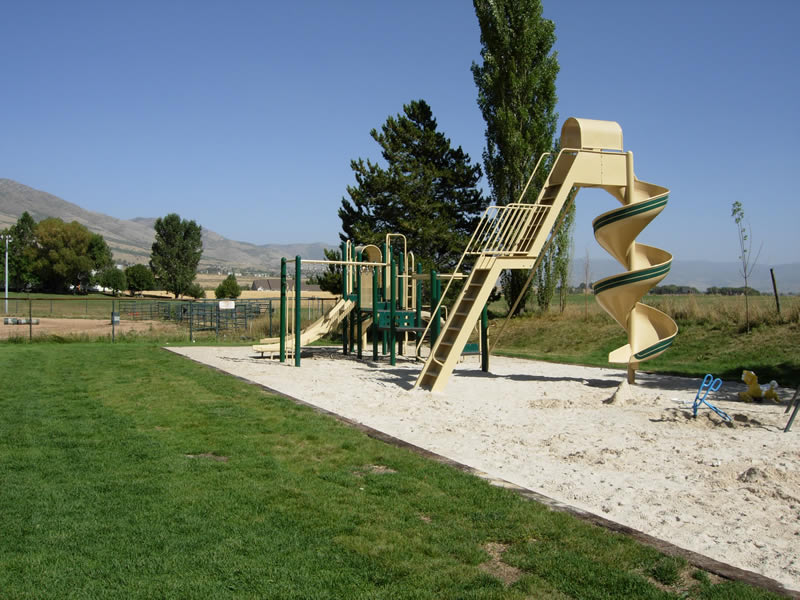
[131, 472]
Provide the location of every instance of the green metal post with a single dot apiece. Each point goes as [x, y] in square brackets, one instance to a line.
[485, 339]
[344, 297]
[385, 294]
[374, 313]
[284, 307]
[418, 316]
[297, 312]
[360, 331]
[402, 291]
[436, 325]
[392, 302]
[112, 321]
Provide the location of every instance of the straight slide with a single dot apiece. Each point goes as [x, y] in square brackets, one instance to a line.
[318, 329]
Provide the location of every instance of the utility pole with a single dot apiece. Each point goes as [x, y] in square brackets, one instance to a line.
[7, 238]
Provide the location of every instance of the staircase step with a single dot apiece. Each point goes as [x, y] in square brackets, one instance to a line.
[550, 193]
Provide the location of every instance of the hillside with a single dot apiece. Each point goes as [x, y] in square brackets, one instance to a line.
[131, 240]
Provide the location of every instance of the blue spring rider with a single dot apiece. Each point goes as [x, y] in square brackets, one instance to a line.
[709, 385]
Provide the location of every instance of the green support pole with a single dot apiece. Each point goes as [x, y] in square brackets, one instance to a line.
[344, 296]
[402, 291]
[485, 339]
[283, 309]
[418, 316]
[352, 320]
[436, 325]
[392, 302]
[375, 313]
[297, 312]
[385, 294]
[360, 331]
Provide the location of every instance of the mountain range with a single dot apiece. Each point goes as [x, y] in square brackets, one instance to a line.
[130, 241]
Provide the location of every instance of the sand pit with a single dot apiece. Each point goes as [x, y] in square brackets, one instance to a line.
[634, 456]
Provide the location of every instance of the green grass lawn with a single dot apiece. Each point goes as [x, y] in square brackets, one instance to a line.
[131, 472]
[711, 339]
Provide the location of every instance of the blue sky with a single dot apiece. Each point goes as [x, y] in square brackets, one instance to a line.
[244, 115]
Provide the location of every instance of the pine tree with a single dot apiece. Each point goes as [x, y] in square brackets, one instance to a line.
[427, 191]
[330, 280]
[229, 288]
[517, 96]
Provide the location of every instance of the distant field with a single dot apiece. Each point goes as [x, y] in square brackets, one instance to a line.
[209, 281]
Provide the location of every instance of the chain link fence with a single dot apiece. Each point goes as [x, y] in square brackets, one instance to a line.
[28, 317]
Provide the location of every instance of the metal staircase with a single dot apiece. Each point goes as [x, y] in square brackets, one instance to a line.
[507, 237]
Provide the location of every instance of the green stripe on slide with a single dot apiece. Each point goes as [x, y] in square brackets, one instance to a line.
[632, 277]
[630, 211]
[654, 349]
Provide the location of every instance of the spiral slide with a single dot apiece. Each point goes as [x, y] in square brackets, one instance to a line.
[650, 331]
[515, 235]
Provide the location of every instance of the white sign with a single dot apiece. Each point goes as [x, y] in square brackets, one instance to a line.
[227, 304]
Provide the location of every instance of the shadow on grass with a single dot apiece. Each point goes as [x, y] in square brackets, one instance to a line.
[786, 374]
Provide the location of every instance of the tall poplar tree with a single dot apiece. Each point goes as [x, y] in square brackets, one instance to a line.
[427, 191]
[517, 95]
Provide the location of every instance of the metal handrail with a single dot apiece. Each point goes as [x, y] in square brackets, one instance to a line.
[467, 252]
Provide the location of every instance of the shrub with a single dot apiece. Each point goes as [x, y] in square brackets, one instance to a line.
[228, 288]
[113, 279]
[195, 291]
[140, 278]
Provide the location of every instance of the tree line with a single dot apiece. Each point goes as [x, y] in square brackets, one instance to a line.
[53, 256]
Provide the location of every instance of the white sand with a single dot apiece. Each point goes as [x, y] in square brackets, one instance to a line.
[730, 493]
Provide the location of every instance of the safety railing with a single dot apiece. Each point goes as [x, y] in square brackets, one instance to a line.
[507, 230]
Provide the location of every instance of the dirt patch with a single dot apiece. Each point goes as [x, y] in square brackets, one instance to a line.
[374, 470]
[92, 328]
[209, 456]
[495, 565]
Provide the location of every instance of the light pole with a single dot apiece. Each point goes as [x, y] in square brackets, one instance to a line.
[7, 238]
